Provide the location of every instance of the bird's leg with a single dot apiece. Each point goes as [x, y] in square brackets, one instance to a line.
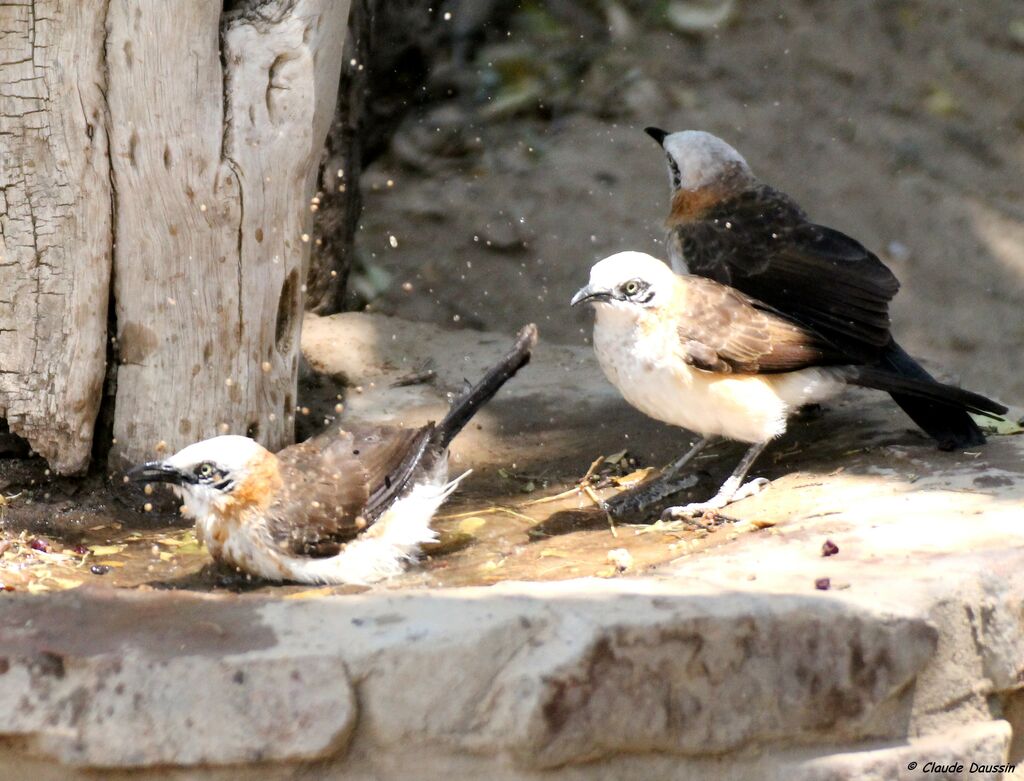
[653, 491]
[732, 490]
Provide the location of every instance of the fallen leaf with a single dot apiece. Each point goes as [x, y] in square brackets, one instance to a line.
[941, 102]
[614, 458]
[312, 593]
[690, 17]
[633, 478]
[174, 543]
[106, 550]
[998, 426]
[63, 583]
[551, 553]
[471, 524]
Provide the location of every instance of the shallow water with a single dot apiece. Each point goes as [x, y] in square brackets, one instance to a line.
[499, 530]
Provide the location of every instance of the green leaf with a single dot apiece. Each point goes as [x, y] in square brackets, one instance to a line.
[999, 427]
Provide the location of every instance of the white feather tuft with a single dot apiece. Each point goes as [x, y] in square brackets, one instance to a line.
[384, 549]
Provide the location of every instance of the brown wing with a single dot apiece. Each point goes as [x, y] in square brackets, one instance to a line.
[762, 244]
[337, 483]
[722, 330]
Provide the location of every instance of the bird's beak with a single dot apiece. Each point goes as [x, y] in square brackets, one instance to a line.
[155, 472]
[656, 133]
[590, 294]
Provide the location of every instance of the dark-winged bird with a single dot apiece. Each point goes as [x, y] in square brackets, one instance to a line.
[728, 226]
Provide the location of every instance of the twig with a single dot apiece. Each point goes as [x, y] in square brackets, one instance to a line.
[597, 500]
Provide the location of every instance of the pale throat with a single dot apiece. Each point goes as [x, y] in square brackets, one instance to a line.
[621, 319]
[199, 502]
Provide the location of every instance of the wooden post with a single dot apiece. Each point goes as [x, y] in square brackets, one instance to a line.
[55, 225]
[201, 209]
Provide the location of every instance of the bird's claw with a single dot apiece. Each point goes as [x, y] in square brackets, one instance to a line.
[690, 512]
[750, 488]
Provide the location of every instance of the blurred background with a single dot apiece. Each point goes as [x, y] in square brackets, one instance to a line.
[487, 152]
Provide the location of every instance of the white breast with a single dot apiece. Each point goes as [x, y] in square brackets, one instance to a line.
[644, 365]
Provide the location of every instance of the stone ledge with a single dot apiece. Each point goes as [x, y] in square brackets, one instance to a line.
[536, 675]
[725, 662]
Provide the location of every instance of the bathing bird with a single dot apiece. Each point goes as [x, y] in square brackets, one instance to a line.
[351, 505]
[727, 225]
[695, 353]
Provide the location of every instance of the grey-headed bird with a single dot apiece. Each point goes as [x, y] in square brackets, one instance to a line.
[698, 354]
[347, 506]
[727, 225]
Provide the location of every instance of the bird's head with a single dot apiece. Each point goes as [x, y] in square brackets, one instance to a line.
[224, 475]
[631, 283]
[699, 160]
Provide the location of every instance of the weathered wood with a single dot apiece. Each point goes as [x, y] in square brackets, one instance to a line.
[55, 218]
[213, 160]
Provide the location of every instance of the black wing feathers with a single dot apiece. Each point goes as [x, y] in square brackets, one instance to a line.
[761, 243]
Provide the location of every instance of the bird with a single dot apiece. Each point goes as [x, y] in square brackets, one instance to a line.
[695, 353]
[351, 505]
[727, 225]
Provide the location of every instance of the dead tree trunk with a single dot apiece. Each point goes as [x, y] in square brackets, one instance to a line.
[198, 212]
[55, 224]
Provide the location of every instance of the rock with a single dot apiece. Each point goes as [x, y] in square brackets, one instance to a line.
[723, 663]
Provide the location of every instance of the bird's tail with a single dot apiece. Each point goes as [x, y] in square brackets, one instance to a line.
[952, 429]
[938, 408]
[466, 406]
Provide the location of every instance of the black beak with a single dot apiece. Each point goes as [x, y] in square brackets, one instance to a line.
[656, 133]
[588, 295]
[156, 472]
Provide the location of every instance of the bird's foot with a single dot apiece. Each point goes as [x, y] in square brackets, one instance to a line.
[690, 512]
[750, 488]
[638, 499]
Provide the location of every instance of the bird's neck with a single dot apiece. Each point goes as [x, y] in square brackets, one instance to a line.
[692, 204]
[260, 486]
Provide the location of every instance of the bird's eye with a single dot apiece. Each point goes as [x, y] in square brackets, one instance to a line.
[632, 287]
[204, 470]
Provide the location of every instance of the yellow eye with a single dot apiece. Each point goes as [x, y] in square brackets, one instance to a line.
[205, 470]
[631, 287]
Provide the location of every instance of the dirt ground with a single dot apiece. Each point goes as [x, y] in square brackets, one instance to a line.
[901, 124]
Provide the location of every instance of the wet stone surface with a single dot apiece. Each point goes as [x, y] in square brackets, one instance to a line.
[526, 512]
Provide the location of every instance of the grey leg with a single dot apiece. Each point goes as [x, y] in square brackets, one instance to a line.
[732, 490]
[687, 457]
[653, 491]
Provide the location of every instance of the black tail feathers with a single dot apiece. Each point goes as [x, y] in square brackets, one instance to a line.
[940, 410]
[951, 428]
[466, 406]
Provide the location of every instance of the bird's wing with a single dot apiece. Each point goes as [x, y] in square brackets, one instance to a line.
[722, 330]
[761, 243]
[338, 483]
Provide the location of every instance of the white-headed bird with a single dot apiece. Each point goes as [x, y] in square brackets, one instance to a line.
[698, 354]
[347, 506]
[727, 225]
